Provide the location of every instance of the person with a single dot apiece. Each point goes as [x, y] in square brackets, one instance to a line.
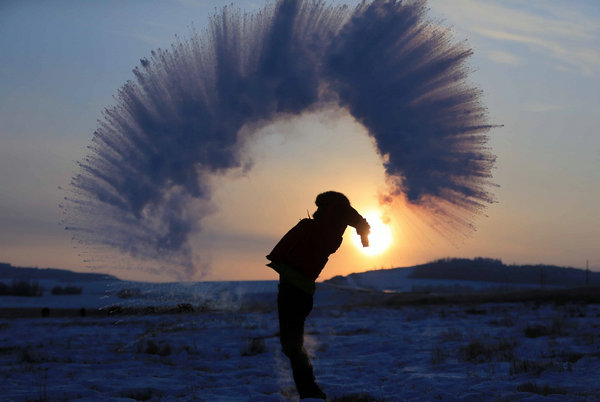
[299, 257]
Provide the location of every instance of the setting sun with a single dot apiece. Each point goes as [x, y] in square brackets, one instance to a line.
[380, 237]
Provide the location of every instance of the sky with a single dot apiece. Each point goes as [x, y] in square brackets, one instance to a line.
[537, 63]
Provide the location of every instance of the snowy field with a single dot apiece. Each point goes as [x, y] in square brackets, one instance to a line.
[227, 349]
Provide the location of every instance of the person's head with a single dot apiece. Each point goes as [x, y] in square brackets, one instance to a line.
[330, 202]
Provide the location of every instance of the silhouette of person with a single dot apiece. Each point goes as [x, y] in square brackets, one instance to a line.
[299, 258]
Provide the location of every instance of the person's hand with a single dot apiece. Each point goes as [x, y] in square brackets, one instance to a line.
[364, 231]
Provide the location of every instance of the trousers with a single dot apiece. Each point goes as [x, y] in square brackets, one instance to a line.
[294, 305]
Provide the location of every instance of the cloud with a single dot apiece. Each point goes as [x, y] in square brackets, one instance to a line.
[504, 57]
[557, 30]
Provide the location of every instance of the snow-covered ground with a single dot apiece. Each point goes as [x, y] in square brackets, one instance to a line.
[230, 350]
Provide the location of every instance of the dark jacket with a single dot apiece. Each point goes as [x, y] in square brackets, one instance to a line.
[308, 245]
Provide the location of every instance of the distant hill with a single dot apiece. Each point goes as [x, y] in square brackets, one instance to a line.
[7, 271]
[469, 271]
[492, 270]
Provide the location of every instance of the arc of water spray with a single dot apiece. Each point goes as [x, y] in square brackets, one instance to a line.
[143, 188]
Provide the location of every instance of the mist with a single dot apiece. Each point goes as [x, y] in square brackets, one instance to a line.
[145, 186]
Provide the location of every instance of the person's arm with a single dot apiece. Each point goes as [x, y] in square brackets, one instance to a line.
[360, 224]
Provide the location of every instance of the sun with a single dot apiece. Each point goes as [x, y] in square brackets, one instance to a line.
[380, 237]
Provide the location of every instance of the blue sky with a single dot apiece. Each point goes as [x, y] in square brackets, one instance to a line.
[537, 62]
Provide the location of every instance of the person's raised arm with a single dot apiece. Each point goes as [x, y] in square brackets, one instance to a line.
[360, 224]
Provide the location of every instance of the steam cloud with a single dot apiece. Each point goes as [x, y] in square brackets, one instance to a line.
[143, 188]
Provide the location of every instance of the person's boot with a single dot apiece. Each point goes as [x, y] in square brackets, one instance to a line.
[313, 391]
[304, 378]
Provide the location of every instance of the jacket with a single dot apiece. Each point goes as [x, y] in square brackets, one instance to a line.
[307, 246]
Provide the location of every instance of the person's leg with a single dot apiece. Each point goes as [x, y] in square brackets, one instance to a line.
[294, 306]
